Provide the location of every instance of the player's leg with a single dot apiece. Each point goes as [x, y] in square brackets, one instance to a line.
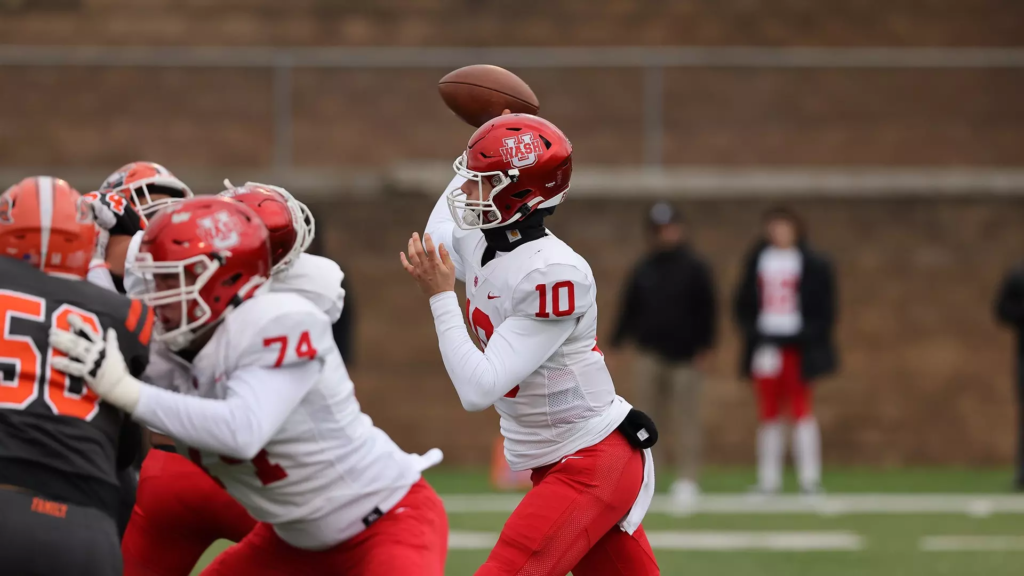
[179, 512]
[410, 539]
[260, 553]
[649, 390]
[771, 445]
[806, 434]
[686, 384]
[619, 554]
[47, 538]
[573, 504]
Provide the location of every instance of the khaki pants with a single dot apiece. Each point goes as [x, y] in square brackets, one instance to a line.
[670, 393]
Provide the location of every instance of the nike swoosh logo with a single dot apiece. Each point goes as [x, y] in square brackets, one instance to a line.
[492, 296]
[571, 458]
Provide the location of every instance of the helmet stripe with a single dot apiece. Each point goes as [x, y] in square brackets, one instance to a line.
[44, 188]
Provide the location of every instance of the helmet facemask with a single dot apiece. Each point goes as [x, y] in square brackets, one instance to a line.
[142, 195]
[479, 214]
[176, 283]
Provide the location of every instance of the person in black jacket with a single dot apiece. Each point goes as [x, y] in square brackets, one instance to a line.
[786, 307]
[668, 310]
[1010, 310]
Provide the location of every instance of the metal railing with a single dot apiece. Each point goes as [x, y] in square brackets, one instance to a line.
[652, 60]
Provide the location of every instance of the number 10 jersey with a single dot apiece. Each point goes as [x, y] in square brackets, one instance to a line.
[568, 403]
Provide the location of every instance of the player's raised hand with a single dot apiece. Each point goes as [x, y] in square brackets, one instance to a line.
[97, 360]
[432, 269]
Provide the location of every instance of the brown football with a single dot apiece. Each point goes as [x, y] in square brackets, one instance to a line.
[480, 92]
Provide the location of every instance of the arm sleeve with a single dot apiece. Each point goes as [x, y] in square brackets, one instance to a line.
[627, 313]
[745, 305]
[441, 228]
[239, 426]
[818, 325]
[705, 308]
[516, 349]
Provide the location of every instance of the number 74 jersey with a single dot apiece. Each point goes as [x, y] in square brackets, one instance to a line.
[569, 401]
[327, 467]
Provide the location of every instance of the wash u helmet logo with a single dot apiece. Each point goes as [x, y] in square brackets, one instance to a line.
[521, 150]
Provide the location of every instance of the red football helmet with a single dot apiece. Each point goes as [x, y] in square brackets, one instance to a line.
[45, 222]
[289, 221]
[138, 181]
[528, 162]
[206, 255]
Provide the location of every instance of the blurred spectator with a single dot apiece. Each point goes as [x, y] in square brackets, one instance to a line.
[1010, 310]
[668, 310]
[785, 308]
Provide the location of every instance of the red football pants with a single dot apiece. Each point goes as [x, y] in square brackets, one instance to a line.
[179, 511]
[786, 389]
[411, 539]
[568, 521]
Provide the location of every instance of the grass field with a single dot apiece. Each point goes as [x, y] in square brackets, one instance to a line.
[913, 522]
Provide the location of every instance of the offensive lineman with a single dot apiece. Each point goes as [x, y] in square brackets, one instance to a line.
[258, 393]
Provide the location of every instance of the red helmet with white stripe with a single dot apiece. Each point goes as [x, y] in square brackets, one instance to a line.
[45, 222]
[519, 163]
[140, 182]
[289, 221]
[200, 258]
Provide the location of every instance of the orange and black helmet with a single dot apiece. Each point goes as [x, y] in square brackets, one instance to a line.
[45, 222]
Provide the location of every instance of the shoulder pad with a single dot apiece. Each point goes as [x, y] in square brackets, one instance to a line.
[277, 329]
[553, 292]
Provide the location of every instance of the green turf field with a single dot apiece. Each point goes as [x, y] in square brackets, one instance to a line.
[744, 536]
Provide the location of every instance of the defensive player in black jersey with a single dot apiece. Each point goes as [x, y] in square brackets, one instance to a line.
[59, 444]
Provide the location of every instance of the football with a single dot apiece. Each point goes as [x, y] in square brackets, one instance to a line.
[480, 92]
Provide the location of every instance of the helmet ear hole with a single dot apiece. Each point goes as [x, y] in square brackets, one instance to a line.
[233, 279]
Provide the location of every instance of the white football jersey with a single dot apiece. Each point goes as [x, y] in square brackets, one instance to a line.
[316, 279]
[569, 402]
[327, 467]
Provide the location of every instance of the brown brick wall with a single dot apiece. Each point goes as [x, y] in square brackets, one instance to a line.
[374, 118]
[495, 22]
[926, 375]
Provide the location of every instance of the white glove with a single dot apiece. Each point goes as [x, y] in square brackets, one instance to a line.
[99, 251]
[98, 361]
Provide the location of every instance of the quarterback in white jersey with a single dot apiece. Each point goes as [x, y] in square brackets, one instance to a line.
[252, 382]
[531, 303]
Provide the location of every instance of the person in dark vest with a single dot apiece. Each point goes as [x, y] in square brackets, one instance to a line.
[1010, 311]
[786, 309]
[668, 311]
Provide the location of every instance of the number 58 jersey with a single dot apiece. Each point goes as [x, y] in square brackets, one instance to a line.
[326, 468]
[569, 401]
[57, 438]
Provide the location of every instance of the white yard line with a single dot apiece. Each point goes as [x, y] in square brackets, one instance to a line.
[830, 505]
[780, 541]
[971, 543]
[704, 540]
